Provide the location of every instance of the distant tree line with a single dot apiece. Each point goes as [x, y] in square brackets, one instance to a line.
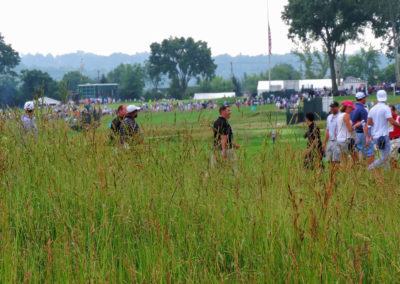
[185, 66]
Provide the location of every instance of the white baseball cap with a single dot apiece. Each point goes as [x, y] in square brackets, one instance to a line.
[360, 95]
[29, 106]
[132, 108]
[381, 96]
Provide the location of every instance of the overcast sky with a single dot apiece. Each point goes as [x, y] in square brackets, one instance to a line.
[130, 26]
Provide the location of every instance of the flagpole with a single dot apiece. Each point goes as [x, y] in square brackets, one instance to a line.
[269, 49]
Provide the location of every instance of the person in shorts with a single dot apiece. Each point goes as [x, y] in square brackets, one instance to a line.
[344, 131]
[360, 114]
[330, 146]
[380, 117]
[394, 136]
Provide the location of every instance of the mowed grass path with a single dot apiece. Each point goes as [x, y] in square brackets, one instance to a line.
[74, 208]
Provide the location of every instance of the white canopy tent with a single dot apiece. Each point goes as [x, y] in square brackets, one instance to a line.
[48, 101]
[210, 96]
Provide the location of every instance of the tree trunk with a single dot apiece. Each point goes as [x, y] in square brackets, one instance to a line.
[333, 72]
[396, 55]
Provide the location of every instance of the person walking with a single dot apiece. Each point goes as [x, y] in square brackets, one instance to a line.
[360, 114]
[394, 136]
[28, 120]
[313, 156]
[223, 140]
[330, 146]
[116, 123]
[379, 117]
[130, 132]
[344, 131]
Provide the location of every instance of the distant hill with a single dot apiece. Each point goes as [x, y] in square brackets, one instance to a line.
[95, 65]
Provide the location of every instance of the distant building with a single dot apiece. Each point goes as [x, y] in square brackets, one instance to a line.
[211, 96]
[296, 85]
[91, 91]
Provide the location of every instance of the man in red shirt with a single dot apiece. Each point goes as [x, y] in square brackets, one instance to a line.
[394, 136]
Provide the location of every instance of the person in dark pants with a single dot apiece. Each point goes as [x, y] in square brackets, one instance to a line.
[313, 157]
[116, 123]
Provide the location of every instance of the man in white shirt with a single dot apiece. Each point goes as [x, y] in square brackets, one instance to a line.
[330, 146]
[379, 117]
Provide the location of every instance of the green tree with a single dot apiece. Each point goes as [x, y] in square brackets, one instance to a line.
[363, 65]
[334, 22]
[386, 25]
[9, 58]
[387, 74]
[182, 60]
[132, 82]
[250, 82]
[215, 85]
[284, 72]
[315, 63]
[153, 75]
[74, 78]
[114, 76]
[37, 83]
[8, 90]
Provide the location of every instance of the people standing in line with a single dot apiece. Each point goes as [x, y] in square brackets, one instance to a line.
[116, 123]
[360, 114]
[28, 120]
[130, 132]
[379, 117]
[313, 156]
[344, 131]
[223, 140]
[394, 136]
[330, 145]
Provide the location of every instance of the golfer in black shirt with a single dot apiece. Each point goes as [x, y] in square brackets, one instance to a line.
[223, 138]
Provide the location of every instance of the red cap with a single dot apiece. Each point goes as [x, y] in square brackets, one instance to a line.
[348, 104]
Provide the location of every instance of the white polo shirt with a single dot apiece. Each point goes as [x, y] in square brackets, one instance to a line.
[331, 126]
[379, 114]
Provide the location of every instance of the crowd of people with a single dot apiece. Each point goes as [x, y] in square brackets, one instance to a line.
[354, 133]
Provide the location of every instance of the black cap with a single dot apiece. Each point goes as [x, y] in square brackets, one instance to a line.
[334, 104]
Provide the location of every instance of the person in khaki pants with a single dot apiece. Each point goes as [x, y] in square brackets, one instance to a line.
[223, 153]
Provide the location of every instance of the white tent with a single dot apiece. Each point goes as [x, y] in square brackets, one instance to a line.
[297, 85]
[210, 96]
[48, 101]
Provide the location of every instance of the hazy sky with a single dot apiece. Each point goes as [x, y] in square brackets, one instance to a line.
[130, 26]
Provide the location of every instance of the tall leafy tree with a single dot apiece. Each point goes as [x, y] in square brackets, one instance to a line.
[333, 22]
[132, 82]
[182, 60]
[36, 83]
[363, 65]
[74, 78]
[9, 58]
[284, 72]
[386, 24]
[315, 63]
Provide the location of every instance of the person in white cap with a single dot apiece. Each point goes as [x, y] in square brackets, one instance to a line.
[360, 115]
[28, 123]
[379, 117]
[129, 128]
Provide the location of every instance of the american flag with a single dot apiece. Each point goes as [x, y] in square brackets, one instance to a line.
[269, 40]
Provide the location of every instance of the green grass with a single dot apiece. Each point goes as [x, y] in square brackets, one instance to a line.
[76, 209]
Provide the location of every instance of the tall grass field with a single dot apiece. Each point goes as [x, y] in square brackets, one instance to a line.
[75, 207]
